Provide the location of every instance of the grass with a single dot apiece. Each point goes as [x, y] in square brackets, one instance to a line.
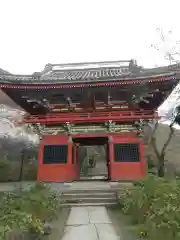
[122, 223]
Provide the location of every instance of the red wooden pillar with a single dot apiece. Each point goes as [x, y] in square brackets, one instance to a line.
[70, 151]
[70, 159]
[110, 156]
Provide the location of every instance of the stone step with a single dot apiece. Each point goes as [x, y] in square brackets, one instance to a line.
[89, 191]
[87, 204]
[89, 199]
[88, 194]
[96, 194]
[93, 193]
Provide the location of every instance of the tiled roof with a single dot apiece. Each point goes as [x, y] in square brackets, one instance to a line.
[4, 72]
[91, 73]
[96, 71]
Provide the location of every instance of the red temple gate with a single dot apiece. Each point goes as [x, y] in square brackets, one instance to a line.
[125, 158]
[105, 103]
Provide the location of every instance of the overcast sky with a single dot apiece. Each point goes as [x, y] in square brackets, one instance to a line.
[36, 32]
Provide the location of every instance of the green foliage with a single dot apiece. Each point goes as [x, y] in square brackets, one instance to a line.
[10, 170]
[27, 211]
[30, 171]
[154, 204]
[4, 170]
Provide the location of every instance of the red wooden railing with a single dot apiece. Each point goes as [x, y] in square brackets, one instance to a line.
[119, 116]
[98, 104]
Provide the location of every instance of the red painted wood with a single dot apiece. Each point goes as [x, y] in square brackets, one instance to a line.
[126, 171]
[98, 104]
[71, 171]
[119, 116]
[127, 81]
[122, 171]
[55, 172]
[111, 156]
[76, 163]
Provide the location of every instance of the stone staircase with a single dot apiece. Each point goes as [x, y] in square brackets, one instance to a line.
[91, 197]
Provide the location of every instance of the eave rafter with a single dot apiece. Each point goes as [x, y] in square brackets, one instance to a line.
[44, 103]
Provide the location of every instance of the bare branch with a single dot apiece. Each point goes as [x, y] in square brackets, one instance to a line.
[162, 35]
[152, 140]
[154, 131]
[153, 143]
[170, 31]
[172, 50]
[155, 128]
[168, 141]
[155, 46]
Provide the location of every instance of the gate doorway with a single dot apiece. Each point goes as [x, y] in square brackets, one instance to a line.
[92, 158]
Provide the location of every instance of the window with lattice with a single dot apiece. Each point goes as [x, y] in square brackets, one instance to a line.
[55, 154]
[126, 152]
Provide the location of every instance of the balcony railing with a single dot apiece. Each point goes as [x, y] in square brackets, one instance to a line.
[118, 116]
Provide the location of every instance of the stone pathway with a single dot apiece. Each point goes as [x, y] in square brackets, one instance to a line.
[90, 223]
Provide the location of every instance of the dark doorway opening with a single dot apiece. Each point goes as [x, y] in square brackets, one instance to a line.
[93, 158]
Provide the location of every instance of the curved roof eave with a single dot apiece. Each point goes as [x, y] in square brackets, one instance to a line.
[55, 80]
[95, 75]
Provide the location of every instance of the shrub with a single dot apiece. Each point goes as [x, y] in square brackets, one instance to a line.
[30, 171]
[10, 170]
[27, 211]
[154, 204]
[4, 170]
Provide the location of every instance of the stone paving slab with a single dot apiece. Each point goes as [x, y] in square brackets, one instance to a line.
[90, 223]
[78, 216]
[81, 232]
[98, 215]
[106, 232]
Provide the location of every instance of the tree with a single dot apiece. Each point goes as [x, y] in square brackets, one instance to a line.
[160, 154]
[169, 48]
[170, 52]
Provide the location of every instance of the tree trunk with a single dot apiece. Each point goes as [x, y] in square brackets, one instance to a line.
[161, 168]
[161, 154]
